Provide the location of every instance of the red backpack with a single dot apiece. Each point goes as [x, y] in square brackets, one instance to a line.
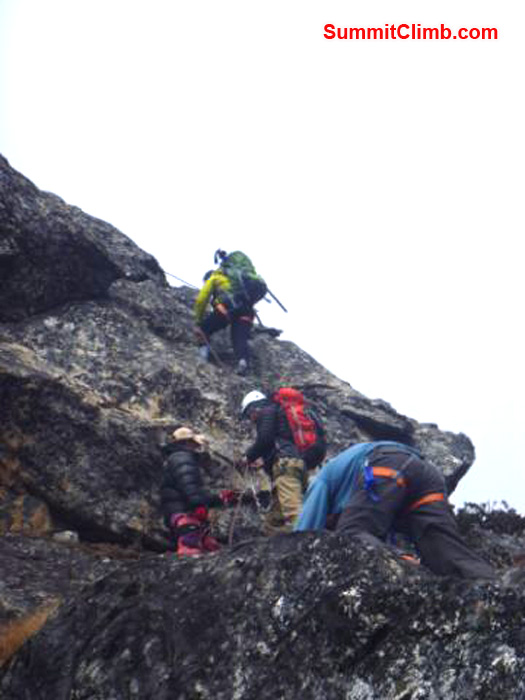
[307, 430]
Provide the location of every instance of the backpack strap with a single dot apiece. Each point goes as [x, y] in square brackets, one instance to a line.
[371, 474]
[369, 481]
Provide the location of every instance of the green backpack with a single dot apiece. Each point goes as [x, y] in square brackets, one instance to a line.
[247, 286]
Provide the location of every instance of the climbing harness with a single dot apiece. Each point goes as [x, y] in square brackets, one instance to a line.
[371, 473]
[435, 497]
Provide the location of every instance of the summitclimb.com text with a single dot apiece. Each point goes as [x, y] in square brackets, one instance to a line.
[409, 31]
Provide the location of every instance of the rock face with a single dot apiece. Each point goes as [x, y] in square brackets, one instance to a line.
[97, 364]
[52, 253]
[281, 618]
[98, 361]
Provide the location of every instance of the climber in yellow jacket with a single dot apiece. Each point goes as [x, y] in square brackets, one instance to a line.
[227, 309]
[216, 287]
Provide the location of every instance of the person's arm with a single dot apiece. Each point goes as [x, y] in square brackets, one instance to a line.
[265, 441]
[202, 300]
[315, 507]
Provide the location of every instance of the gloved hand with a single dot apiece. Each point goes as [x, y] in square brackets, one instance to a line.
[258, 464]
[201, 513]
[260, 499]
[410, 559]
[264, 498]
[229, 497]
[243, 464]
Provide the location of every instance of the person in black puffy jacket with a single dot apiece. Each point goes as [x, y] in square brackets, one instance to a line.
[184, 499]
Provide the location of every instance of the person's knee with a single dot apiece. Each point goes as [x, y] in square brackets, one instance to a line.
[290, 468]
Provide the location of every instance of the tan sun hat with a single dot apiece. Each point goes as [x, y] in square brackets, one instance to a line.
[185, 433]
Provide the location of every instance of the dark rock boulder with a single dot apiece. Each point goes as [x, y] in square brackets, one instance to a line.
[52, 253]
[39, 570]
[296, 616]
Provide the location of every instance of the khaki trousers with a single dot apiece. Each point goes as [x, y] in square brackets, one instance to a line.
[289, 485]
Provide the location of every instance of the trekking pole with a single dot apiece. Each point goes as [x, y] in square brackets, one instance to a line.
[277, 300]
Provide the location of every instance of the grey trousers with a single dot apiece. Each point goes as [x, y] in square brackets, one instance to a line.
[371, 514]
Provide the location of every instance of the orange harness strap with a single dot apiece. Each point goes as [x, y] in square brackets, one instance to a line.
[429, 498]
[388, 473]
[221, 308]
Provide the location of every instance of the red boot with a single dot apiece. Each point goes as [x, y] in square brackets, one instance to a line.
[188, 532]
[190, 545]
[210, 544]
[191, 533]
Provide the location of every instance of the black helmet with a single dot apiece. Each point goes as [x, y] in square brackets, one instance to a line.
[219, 255]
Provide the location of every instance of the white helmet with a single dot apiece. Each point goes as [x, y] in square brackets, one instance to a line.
[250, 398]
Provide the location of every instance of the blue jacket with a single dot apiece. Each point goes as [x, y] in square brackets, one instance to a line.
[336, 482]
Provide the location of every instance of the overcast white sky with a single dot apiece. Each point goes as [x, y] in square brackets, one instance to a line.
[377, 185]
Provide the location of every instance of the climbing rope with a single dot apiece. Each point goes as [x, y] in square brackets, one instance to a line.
[236, 511]
[188, 284]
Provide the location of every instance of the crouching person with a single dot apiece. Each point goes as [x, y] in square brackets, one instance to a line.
[372, 489]
[184, 499]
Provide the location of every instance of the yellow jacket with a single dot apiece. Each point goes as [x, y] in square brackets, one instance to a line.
[215, 289]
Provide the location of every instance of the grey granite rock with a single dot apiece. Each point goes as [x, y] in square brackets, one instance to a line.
[97, 365]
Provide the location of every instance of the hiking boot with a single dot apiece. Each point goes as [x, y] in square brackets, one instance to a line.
[210, 544]
[190, 545]
[410, 559]
[196, 544]
[186, 531]
[204, 353]
[242, 367]
[184, 550]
